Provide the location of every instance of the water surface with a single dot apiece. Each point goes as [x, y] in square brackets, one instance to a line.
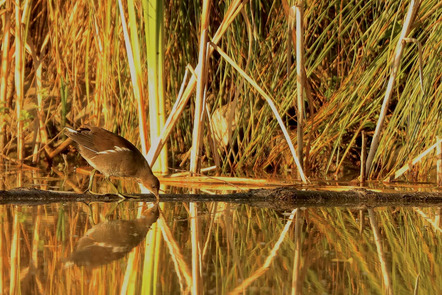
[78, 248]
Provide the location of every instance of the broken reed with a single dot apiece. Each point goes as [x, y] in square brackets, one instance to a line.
[348, 52]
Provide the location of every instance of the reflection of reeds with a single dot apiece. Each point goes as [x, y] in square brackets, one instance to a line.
[14, 271]
[296, 277]
[181, 268]
[150, 268]
[19, 79]
[398, 234]
[248, 247]
[265, 267]
[386, 273]
[434, 223]
[196, 251]
[2, 247]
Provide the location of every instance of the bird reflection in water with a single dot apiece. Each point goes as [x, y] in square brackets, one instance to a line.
[111, 240]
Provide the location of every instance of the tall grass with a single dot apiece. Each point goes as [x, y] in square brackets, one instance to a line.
[348, 48]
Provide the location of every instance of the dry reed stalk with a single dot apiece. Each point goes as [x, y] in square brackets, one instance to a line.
[19, 81]
[36, 142]
[98, 94]
[50, 153]
[213, 142]
[137, 83]
[439, 160]
[421, 71]
[406, 167]
[416, 285]
[4, 71]
[196, 251]
[175, 113]
[363, 157]
[198, 123]
[270, 102]
[233, 181]
[59, 149]
[347, 150]
[233, 10]
[301, 79]
[67, 181]
[261, 270]
[381, 253]
[290, 15]
[289, 40]
[408, 22]
[12, 160]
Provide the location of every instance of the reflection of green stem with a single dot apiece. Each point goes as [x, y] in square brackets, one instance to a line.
[63, 96]
[61, 226]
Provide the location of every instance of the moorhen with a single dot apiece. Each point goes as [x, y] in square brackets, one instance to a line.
[113, 155]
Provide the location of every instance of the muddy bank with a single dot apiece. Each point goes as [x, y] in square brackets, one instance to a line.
[278, 198]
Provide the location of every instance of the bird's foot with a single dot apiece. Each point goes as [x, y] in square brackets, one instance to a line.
[127, 196]
[89, 191]
[110, 212]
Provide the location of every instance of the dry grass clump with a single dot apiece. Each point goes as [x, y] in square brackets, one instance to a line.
[77, 71]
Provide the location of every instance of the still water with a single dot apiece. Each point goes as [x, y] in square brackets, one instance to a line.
[217, 248]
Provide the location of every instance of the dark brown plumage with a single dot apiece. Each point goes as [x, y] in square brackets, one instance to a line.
[113, 155]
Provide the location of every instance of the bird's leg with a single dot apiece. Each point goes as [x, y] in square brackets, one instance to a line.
[91, 213]
[91, 179]
[109, 213]
[120, 194]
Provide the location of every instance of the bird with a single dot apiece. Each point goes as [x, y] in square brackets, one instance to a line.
[113, 155]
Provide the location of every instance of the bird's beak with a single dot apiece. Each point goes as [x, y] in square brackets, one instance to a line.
[157, 195]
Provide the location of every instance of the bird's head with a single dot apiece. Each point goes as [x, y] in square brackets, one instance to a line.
[152, 184]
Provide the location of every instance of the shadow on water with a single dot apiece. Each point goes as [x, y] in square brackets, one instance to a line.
[91, 248]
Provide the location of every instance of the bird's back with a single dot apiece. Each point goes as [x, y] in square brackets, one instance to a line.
[107, 152]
